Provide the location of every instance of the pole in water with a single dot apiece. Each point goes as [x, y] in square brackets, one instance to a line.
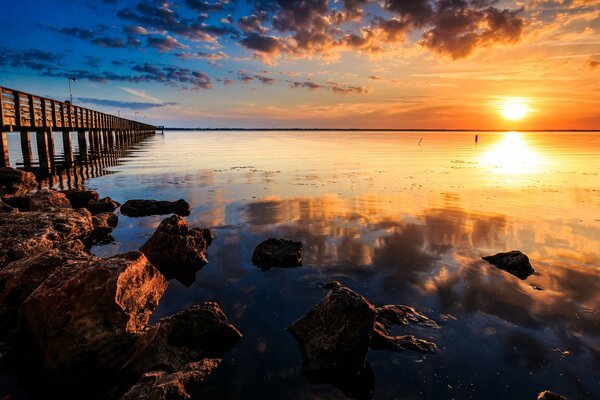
[476, 138]
[420, 141]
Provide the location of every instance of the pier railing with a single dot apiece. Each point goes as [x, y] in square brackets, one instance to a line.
[96, 131]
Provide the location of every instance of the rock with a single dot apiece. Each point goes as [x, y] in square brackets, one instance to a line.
[42, 200]
[548, 395]
[191, 335]
[101, 206]
[25, 234]
[79, 198]
[390, 315]
[14, 182]
[142, 208]
[160, 385]
[104, 224]
[334, 336]
[177, 250]
[513, 262]
[83, 320]
[4, 208]
[20, 278]
[277, 253]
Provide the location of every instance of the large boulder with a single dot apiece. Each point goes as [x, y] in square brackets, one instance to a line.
[142, 208]
[548, 395]
[29, 233]
[177, 250]
[104, 225]
[188, 336]
[20, 278]
[42, 200]
[79, 198]
[513, 262]
[161, 385]
[390, 315]
[5, 208]
[14, 182]
[83, 320]
[103, 205]
[277, 253]
[334, 336]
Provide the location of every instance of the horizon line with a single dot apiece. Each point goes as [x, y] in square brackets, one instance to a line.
[381, 129]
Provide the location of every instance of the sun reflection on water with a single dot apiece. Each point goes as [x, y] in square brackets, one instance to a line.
[514, 155]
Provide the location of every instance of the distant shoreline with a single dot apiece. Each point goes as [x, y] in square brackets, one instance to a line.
[378, 130]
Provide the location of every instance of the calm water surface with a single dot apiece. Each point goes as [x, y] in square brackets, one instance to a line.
[401, 223]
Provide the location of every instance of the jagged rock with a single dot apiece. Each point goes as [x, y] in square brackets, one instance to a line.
[79, 198]
[188, 336]
[14, 182]
[24, 234]
[20, 278]
[103, 205]
[277, 253]
[42, 200]
[334, 336]
[513, 262]
[548, 395]
[83, 319]
[390, 315]
[142, 208]
[160, 385]
[5, 208]
[177, 250]
[104, 224]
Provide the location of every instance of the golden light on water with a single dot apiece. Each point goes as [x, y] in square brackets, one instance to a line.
[513, 154]
[514, 108]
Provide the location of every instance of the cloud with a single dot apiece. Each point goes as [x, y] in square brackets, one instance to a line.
[591, 63]
[32, 58]
[203, 56]
[122, 104]
[204, 6]
[164, 44]
[95, 36]
[333, 86]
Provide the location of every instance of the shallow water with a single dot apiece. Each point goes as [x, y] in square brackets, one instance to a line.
[402, 218]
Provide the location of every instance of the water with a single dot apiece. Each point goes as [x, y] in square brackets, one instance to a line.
[401, 223]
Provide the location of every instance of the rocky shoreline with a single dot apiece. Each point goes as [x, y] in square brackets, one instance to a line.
[74, 325]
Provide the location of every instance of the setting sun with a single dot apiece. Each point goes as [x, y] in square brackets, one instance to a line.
[514, 109]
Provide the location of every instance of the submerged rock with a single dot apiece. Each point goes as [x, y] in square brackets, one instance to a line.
[142, 208]
[277, 253]
[177, 250]
[161, 385]
[103, 205]
[390, 315]
[29, 233]
[188, 336]
[42, 200]
[334, 336]
[83, 319]
[513, 262]
[14, 182]
[548, 395]
[79, 198]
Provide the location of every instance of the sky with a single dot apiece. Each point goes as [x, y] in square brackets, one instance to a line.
[392, 64]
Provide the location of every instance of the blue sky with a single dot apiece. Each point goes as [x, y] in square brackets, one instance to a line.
[311, 63]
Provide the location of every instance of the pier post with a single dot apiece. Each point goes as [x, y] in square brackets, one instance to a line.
[82, 143]
[43, 150]
[67, 147]
[4, 160]
[26, 148]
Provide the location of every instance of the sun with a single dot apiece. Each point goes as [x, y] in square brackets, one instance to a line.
[514, 108]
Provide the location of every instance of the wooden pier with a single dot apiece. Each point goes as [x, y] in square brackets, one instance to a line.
[98, 135]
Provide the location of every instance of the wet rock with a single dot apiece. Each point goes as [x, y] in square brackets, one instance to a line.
[334, 336]
[14, 182]
[103, 205]
[277, 253]
[390, 315]
[42, 200]
[142, 208]
[104, 224]
[160, 385]
[188, 336]
[83, 319]
[513, 262]
[106, 219]
[79, 198]
[4, 208]
[25, 234]
[20, 278]
[548, 395]
[177, 250]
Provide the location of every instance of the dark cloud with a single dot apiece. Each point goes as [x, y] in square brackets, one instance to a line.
[94, 36]
[85, 34]
[32, 58]
[265, 44]
[591, 63]
[246, 78]
[335, 87]
[204, 6]
[109, 42]
[252, 24]
[123, 104]
[203, 55]
[164, 44]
